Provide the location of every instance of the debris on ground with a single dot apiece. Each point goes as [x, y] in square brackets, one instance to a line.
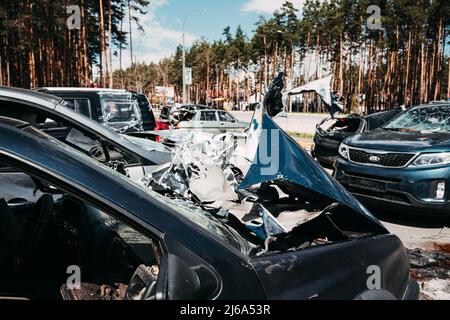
[431, 269]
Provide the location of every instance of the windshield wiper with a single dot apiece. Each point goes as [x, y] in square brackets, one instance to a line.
[392, 129]
[401, 129]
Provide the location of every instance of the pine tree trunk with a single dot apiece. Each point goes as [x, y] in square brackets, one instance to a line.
[110, 44]
[408, 59]
[103, 69]
[85, 51]
[437, 90]
[131, 32]
[266, 83]
[341, 66]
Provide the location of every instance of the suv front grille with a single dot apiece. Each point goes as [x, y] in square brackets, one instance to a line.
[392, 160]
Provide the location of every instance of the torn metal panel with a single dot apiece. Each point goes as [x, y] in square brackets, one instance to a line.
[266, 185]
[323, 88]
[295, 166]
[277, 156]
[209, 184]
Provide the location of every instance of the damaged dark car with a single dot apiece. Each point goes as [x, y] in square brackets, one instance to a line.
[228, 218]
[129, 155]
[331, 132]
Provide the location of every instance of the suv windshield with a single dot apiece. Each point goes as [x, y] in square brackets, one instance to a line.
[119, 107]
[422, 119]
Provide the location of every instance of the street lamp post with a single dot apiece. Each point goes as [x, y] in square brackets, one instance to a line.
[184, 52]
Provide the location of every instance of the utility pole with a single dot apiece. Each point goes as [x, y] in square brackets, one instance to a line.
[184, 52]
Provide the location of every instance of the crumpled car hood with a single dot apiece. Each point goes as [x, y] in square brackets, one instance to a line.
[296, 166]
[292, 163]
[323, 88]
[264, 184]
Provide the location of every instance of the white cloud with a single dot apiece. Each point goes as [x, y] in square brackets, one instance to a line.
[157, 42]
[267, 6]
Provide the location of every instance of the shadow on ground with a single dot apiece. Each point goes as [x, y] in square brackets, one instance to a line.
[410, 220]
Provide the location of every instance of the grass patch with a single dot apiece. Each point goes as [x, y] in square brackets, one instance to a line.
[300, 135]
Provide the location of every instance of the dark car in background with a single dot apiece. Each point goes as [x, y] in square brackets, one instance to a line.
[331, 132]
[164, 121]
[116, 109]
[404, 165]
[129, 155]
[148, 118]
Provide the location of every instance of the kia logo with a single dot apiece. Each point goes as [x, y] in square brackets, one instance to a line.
[374, 159]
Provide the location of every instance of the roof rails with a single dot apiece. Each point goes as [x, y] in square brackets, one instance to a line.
[56, 89]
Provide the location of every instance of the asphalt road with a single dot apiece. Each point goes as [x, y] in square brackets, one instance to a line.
[295, 122]
[415, 231]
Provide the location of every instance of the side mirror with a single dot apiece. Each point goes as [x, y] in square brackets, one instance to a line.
[177, 281]
[282, 114]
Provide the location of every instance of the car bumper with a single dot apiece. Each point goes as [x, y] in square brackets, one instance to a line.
[405, 189]
[413, 290]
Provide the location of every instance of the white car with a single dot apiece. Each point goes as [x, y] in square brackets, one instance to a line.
[212, 120]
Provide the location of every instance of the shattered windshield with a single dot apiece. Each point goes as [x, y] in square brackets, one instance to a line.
[119, 107]
[422, 119]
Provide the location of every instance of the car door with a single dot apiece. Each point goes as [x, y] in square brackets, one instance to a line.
[207, 121]
[227, 122]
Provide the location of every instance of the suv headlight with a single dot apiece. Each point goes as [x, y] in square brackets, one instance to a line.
[432, 159]
[344, 151]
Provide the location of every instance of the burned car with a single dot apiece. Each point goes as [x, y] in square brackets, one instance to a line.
[226, 219]
[331, 132]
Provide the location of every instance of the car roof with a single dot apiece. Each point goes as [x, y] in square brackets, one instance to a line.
[381, 113]
[79, 89]
[434, 104]
[43, 99]
[47, 101]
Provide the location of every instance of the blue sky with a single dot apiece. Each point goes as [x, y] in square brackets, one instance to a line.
[163, 23]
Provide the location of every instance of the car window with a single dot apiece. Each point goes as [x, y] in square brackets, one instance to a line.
[373, 123]
[119, 107]
[146, 109]
[80, 105]
[208, 116]
[226, 117]
[83, 106]
[164, 113]
[111, 250]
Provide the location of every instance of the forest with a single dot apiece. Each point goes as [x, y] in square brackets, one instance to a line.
[403, 62]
